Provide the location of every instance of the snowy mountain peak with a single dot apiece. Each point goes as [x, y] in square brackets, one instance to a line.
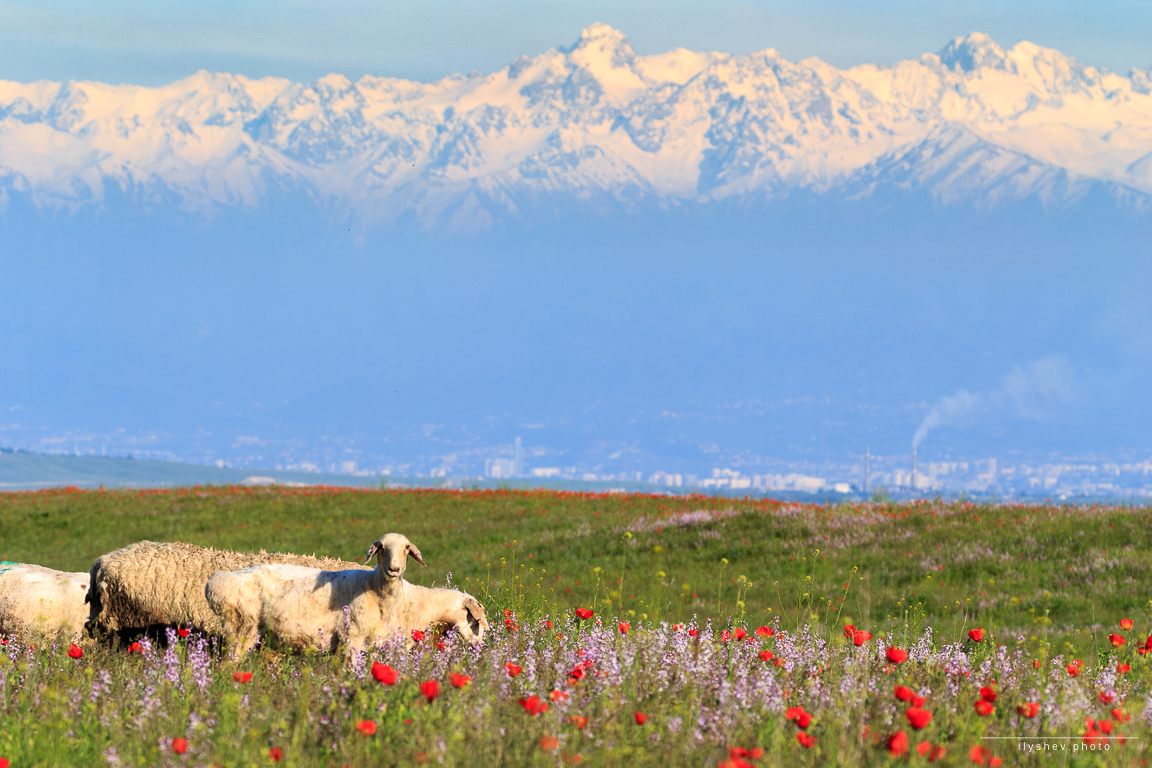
[973, 51]
[592, 122]
[600, 35]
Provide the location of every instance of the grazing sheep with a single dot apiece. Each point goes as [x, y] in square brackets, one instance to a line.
[37, 601]
[147, 584]
[301, 608]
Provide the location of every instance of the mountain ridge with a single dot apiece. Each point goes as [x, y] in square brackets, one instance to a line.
[973, 124]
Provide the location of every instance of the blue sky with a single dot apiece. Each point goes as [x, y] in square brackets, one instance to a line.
[150, 43]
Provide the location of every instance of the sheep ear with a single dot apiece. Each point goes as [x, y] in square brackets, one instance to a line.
[472, 605]
[415, 554]
[372, 550]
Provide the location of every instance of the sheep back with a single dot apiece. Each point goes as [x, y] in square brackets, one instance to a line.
[149, 584]
[37, 601]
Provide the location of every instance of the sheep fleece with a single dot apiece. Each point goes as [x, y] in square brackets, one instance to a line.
[149, 583]
[40, 601]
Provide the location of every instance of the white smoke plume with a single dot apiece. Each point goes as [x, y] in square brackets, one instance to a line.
[1027, 393]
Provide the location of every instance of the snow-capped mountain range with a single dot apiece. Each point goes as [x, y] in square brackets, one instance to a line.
[596, 125]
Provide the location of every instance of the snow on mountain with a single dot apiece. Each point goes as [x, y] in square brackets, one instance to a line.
[594, 124]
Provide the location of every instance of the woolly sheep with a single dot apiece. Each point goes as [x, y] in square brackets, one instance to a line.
[36, 601]
[300, 608]
[150, 584]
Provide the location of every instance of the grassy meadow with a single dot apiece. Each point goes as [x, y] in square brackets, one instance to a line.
[1048, 585]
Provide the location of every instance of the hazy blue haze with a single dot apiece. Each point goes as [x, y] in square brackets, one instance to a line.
[619, 334]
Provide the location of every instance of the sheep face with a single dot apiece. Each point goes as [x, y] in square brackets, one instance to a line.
[471, 622]
[392, 551]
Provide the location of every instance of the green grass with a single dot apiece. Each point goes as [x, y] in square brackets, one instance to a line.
[1044, 581]
[1012, 568]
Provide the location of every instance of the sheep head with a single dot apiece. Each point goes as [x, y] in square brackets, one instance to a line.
[470, 621]
[392, 551]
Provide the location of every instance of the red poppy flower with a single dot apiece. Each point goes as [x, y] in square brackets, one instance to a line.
[276, 754]
[1036, 663]
[936, 753]
[793, 712]
[983, 708]
[803, 720]
[624, 627]
[918, 718]
[641, 718]
[1125, 624]
[897, 655]
[739, 634]
[765, 631]
[981, 755]
[366, 727]
[766, 655]
[384, 673]
[242, 677]
[430, 689]
[976, 635]
[918, 701]
[1120, 716]
[725, 636]
[179, 745]
[692, 633]
[557, 695]
[988, 694]
[1105, 697]
[897, 744]
[549, 743]
[849, 631]
[533, 705]
[512, 669]
[577, 673]
[677, 627]
[578, 721]
[739, 753]
[583, 613]
[1106, 727]
[418, 636]
[861, 637]
[1123, 669]
[136, 648]
[904, 693]
[1073, 670]
[183, 632]
[75, 651]
[547, 624]
[1117, 640]
[3, 760]
[1028, 709]
[806, 739]
[458, 680]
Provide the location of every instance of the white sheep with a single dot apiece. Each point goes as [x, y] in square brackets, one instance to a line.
[149, 584]
[37, 601]
[300, 608]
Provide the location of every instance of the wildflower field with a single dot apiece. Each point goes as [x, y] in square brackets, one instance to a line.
[626, 630]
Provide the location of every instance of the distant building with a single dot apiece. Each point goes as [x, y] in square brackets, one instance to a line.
[518, 460]
[500, 468]
[665, 478]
